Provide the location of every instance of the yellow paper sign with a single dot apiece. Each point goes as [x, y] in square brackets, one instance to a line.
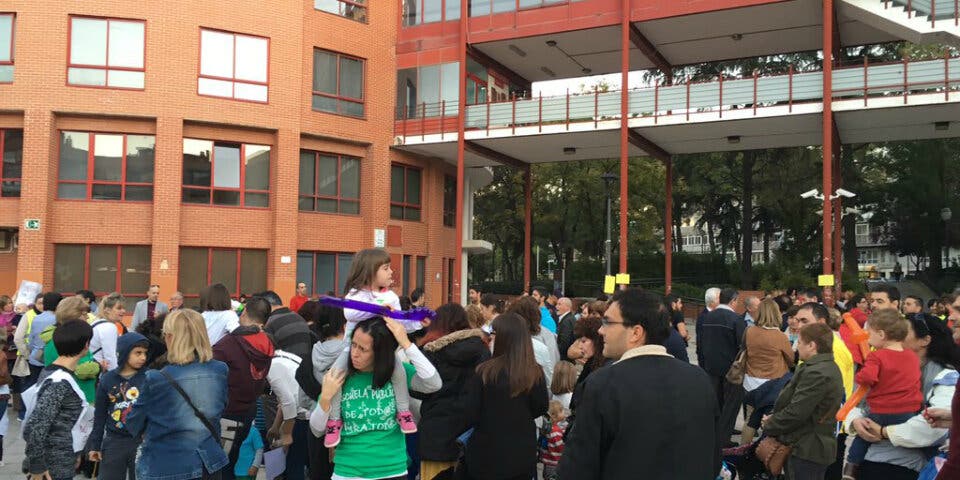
[609, 284]
[825, 280]
[623, 279]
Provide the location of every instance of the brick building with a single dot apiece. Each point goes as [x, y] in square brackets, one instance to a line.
[182, 143]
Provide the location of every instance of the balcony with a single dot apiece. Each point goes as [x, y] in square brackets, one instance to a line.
[723, 114]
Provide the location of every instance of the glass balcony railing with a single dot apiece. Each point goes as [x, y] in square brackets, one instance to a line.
[694, 101]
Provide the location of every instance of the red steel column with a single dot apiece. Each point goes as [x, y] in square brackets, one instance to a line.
[527, 224]
[828, 36]
[668, 229]
[624, 128]
[461, 124]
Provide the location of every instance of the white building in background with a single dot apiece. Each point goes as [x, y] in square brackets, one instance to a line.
[872, 252]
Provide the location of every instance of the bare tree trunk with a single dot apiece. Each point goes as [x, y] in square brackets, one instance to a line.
[711, 239]
[850, 260]
[746, 219]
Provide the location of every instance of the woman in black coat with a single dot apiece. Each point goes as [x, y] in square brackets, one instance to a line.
[455, 350]
[502, 401]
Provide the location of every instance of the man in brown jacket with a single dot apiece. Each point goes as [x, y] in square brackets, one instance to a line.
[803, 416]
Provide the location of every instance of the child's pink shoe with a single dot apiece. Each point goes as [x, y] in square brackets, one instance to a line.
[332, 437]
[407, 425]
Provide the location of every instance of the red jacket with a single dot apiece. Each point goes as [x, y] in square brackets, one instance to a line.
[894, 381]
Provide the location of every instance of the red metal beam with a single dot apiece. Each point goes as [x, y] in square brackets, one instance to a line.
[494, 155]
[490, 62]
[829, 25]
[649, 50]
[654, 150]
[624, 129]
[461, 145]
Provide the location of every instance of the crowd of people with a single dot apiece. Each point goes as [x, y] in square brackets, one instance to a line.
[523, 387]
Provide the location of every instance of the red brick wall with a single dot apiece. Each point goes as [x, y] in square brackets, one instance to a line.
[40, 102]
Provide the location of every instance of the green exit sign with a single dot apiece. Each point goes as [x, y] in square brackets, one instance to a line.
[31, 224]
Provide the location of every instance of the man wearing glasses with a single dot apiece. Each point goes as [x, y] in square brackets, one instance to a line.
[649, 414]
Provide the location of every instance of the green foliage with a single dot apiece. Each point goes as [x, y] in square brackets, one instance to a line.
[736, 198]
[785, 271]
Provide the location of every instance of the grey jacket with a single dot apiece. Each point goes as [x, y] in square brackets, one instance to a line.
[140, 312]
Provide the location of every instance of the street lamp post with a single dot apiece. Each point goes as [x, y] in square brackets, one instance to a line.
[608, 178]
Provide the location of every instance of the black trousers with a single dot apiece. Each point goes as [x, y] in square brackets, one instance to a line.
[730, 399]
[885, 471]
[835, 471]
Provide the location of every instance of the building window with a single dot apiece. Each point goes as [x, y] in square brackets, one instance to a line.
[450, 282]
[417, 12]
[329, 183]
[421, 272]
[404, 192]
[449, 201]
[337, 83]
[6, 47]
[225, 173]
[428, 91]
[240, 270]
[352, 9]
[233, 65]
[324, 273]
[11, 145]
[106, 53]
[407, 274]
[102, 166]
[413, 279]
[489, 7]
[103, 269]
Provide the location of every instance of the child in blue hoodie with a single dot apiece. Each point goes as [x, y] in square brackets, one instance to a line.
[110, 443]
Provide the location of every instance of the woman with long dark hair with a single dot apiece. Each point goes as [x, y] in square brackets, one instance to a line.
[456, 350]
[502, 401]
[371, 444]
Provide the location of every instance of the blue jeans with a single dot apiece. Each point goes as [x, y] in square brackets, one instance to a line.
[858, 449]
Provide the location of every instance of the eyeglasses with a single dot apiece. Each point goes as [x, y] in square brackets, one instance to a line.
[606, 322]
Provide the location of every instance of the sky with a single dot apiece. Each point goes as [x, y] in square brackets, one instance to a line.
[559, 87]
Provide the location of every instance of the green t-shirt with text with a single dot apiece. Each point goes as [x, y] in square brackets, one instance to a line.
[371, 445]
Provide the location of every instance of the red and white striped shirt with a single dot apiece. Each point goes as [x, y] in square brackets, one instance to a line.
[554, 444]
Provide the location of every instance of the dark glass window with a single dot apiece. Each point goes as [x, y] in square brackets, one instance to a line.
[405, 192]
[449, 200]
[329, 183]
[324, 272]
[11, 165]
[223, 173]
[337, 83]
[103, 269]
[106, 166]
[240, 270]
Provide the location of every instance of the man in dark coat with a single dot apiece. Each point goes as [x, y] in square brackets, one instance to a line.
[626, 428]
[720, 339]
[565, 324]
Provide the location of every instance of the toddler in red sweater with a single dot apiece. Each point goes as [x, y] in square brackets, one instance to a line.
[893, 376]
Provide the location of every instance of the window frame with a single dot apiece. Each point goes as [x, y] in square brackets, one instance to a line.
[421, 7]
[13, 49]
[243, 176]
[404, 205]
[449, 214]
[119, 274]
[238, 278]
[345, 3]
[340, 98]
[3, 179]
[106, 67]
[316, 197]
[91, 165]
[233, 81]
[313, 269]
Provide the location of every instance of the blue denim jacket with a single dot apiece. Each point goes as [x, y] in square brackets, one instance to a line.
[176, 445]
